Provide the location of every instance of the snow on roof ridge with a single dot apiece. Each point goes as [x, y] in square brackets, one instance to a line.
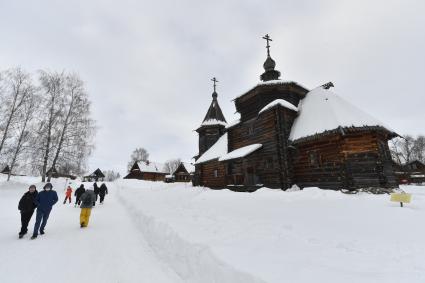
[215, 151]
[280, 102]
[241, 152]
[323, 110]
[211, 122]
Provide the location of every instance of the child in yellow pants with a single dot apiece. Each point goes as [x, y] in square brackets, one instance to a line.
[85, 217]
[87, 200]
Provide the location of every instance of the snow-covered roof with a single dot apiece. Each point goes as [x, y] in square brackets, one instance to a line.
[280, 102]
[216, 151]
[152, 167]
[190, 168]
[211, 122]
[240, 152]
[271, 82]
[323, 110]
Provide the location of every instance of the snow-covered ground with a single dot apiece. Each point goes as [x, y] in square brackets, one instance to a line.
[157, 232]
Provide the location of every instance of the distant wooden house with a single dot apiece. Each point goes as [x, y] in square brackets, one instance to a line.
[184, 172]
[97, 176]
[289, 135]
[147, 170]
[52, 172]
[6, 170]
[412, 172]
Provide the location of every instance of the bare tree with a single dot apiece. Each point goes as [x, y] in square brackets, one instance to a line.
[16, 87]
[172, 165]
[52, 87]
[74, 124]
[139, 154]
[408, 149]
[24, 128]
[419, 149]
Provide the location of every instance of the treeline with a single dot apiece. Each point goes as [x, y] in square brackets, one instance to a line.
[407, 149]
[45, 122]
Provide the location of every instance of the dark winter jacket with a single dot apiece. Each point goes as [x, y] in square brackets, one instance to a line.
[87, 199]
[79, 191]
[27, 202]
[96, 188]
[103, 190]
[46, 199]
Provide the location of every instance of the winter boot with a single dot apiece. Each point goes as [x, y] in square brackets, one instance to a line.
[42, 232]
[33, 237]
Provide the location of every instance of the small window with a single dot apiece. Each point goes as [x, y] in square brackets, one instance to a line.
[269, 163]
[314, 158]
[251, 130]
[215, 173]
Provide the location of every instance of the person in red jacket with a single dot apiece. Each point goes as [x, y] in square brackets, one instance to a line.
[68, 194]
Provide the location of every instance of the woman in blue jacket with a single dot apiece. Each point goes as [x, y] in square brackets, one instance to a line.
[44, 201]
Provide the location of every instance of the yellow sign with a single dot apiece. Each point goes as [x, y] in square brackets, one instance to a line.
[401, 198]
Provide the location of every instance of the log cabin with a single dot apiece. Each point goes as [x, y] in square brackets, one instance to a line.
[289, 135]
[183, 173]
[53, 173]
[96, 176]
[147, 170]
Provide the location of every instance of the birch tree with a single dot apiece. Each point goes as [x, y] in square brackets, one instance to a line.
[24, 129]
[52, 91]
[74, 124]
[16, 87]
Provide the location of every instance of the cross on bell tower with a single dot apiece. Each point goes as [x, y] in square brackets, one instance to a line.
[267, 38]
[215, 81]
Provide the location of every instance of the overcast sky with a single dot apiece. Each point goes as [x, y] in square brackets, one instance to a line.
[148, 64]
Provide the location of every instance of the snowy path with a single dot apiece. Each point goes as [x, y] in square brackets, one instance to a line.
[111, 249]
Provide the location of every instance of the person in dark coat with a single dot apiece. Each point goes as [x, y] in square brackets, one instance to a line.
[27, 206]
[96, 192]
[103, 190]
[45, 200]
[87, 200]
[78, 193]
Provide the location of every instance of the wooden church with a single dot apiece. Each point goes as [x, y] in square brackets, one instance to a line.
[289, 135]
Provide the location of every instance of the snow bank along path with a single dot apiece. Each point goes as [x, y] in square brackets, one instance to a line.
[111, 249]
[192, 262]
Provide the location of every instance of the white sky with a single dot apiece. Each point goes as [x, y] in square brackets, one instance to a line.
[148, 64]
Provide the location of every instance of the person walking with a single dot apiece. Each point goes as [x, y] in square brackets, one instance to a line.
[45, 200]
[78, 193]
[68, 194]
[96, 192]
[27, 206]
[103, 190]
[87, 200]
